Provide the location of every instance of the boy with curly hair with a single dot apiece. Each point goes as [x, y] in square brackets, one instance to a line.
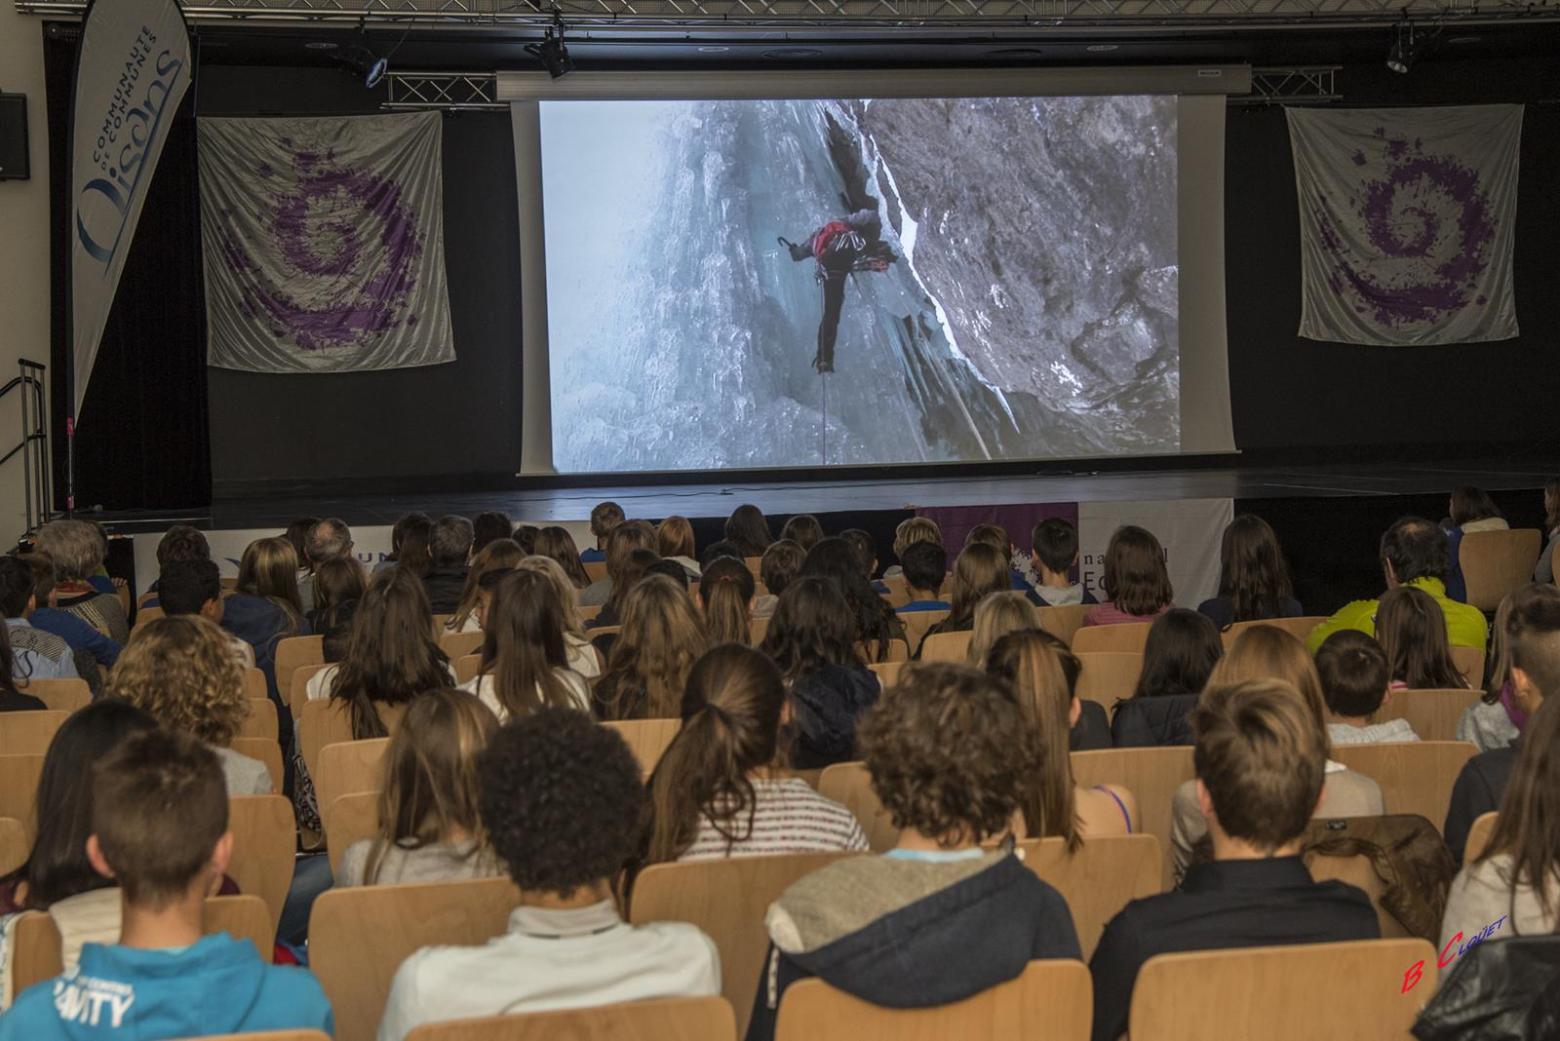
[561, 801]
[937, 918]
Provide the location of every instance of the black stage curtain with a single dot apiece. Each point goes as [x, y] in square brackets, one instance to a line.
[144, 438]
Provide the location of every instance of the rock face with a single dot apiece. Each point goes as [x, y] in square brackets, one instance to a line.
[1031, 313]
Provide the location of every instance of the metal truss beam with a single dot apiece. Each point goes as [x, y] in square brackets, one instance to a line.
[1302, 85]
[453, 91]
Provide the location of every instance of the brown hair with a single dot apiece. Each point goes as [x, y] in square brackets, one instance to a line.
[674, 537]
[621, 544]
[812, 627]
[993, 535]
[1266, 652]
[1252, 573]
[1134, 578]
[1528, 826]
[651, 657]
[978, 572]
[1412, 632]
[1471, 504]
[940, 746]
[995, 617]
[430, 776]
[725, 591]
[780, 565]
[1262, 755]
[1029, 662]
[337, 581]
[182, 671]
[269, 568]
[159, 808]
[556, 543]
[568, 595]
[748, 529]
[913, 530]
[523, 649]
[605, 516]
[409, 540]
[391, 655]
[1518, 600]
[1181, 650]
[730, 727]
[630, 571]
[1552, 505]
[497, 555]
[804, 530]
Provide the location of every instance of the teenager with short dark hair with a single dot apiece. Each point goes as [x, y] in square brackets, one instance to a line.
[1253, 578]
[726, 594]
[194, 587]
[159, 828]
[1136, 582]
[924, 566]
[1412, 633]
[489, 527]
[525, 659]
[35, 654]
[604, 517]
[1355, 680]
[649, 660]
[875, 623]
[1261, 758]
[449, 548]
[1054, 554]
[1182, 649]
[936, 919]
[561, 800]
[718, 790]
[804, 530]
[778, 568]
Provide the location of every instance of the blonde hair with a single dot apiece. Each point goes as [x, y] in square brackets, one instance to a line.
[913, 530]
[1028, 660]
[996, 616]
[648, 666]
[269, 568]
[568, 594]
[182, 671]
[1266, 652]
[675, 537]
[74, 546]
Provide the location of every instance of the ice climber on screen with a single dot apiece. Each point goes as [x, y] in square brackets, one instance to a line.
[842, 246]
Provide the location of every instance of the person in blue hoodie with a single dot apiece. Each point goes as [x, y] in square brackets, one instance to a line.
[159, 827]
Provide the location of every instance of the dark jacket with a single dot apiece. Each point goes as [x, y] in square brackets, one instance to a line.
[934, 933]
[827, 702]
[444, 587]
[16, 701]
[1222, 613]
[1153, 721]
[1092, 730]
[1479, 790]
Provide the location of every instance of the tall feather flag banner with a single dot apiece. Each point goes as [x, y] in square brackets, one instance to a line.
[131, 73]
[324, 243]
[1407, 220]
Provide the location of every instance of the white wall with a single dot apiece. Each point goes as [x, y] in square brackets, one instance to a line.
[24, 250]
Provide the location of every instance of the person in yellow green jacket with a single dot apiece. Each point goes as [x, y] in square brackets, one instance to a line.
[1413, 553]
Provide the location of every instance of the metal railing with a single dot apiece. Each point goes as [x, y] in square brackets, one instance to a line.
[37, 480]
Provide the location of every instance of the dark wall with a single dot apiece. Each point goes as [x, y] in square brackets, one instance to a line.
[425, 428]
[1292, 397]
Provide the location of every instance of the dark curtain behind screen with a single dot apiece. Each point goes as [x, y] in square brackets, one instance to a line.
[144, 438]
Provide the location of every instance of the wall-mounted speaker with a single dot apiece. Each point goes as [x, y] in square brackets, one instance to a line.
[13, 137]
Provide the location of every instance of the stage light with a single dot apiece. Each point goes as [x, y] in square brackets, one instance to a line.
[1400, 56]
[552, 52]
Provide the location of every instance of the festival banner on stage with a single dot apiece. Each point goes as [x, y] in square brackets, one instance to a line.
[131, 73]
[324, 243]
[1407, 222]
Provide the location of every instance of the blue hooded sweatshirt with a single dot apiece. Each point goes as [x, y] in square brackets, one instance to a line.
[216, 986]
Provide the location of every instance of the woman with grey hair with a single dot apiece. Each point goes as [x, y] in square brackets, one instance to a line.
[77, 552]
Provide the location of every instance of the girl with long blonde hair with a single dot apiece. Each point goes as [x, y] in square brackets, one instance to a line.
[996, 616]
[648, 665]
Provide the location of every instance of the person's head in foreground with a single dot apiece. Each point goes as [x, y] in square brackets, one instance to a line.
[182, 671]
[562, 802]
[1412, 550]
[525, 658]
[674, 538]
[159, 829]
[944, 763]
[726, 593]
[391, 655]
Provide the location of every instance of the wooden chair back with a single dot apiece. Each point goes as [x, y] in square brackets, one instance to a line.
[1299, 628]
[887, 672]
[1415, 777]
[144, 615]
[254, 684]
[897, 650]
[15, 844]
[19, 775]
[604, 630]
[588, 614]
[265, 843]
[267, 751]
[299, 697]
[648, 739]
[61, 695]
[727, 899]
[1341, 991]
[348, 819]
[1050, 1001]
[1433, 714]
[398, 920]
[758, 628]
[918, 622]
[329, 722]
[292, 654]
[898, 590]
[664, 1019]
[1151, 774]
[1130, 637]
[1479, 836]
[29, 733]
[466, 667]
[850, 785]
[595, 570]
[262, 721]
[1496, 562]
[1063, 622]
[347, 767]
[458, 645]
[1469, 662]
[1100, 878]
[441, 624]
[1108, 676]
[946, 647]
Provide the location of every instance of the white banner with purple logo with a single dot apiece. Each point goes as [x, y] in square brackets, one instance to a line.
[324, 243]
[1407, 219]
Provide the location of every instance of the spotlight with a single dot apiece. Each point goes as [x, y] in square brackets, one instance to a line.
[1400, 56]
[552, 52]
[376, 72]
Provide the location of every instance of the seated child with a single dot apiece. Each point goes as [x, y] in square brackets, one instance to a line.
[925, 566]
[1055, 554]
[1355, 676]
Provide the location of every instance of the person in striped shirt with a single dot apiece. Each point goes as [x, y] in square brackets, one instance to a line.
[718, 790]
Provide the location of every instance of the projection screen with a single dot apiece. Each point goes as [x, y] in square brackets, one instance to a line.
[742, 271]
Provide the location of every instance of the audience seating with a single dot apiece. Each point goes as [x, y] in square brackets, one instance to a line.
[589, 613]
[330, 722]
[19, 775]
[458, 645]
[144, 615]
[946, 647]
[62, 695]
[1100, 878]
[897, 650]
[1050, 1001]
[1063, 622]
[299, 695]
[15, 844]
[647, 739]
[1339, 991]
[1299, 628]
[36, 942]
[1130, 637]
[262, 721]
[1479, 836]
[466, 667]
[603, 630]
[918, 622]
[887, 672]
[850, 785]
[595, 570]
[265, 841]
[1433, 714]
[441, 625]
[29, 733]
[347, 767]
[267, 751]
[1496, 562]
[898, 590]
[399, 920]
[254, 683]
[664, 1019]
[1415, 776]
[292, 653]
[348, 819]
[727, 899]
[1470, 662]
[1108, 676]
[1151, 774]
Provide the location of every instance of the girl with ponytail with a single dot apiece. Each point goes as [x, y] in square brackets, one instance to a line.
[726, 594]
[718, 791]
